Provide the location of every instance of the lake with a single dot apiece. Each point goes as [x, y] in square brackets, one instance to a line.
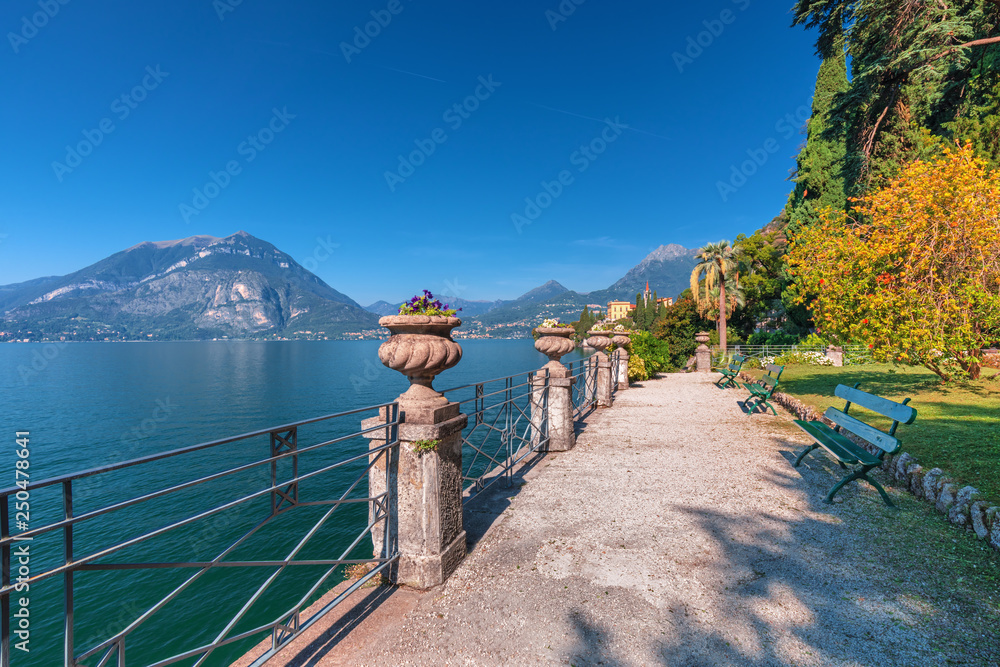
[90, 404]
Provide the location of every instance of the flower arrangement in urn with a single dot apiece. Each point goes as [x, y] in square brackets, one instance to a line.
[426, 304]
[554, 339]
[420, 346]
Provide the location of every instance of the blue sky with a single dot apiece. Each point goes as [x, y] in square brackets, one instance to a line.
[286, 120]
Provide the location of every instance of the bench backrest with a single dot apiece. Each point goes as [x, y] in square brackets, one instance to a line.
[737, 363]
[773, 375]
[899, 413]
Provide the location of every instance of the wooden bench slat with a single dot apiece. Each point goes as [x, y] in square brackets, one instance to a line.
[838, 445]
[904, 414]
[878, 438]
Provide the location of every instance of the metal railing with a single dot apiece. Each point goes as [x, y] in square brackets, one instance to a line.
[852, 354]
[508, 421]
[288, 505]
[615, 370]
[585, 386]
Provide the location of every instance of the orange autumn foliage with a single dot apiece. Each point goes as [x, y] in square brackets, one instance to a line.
[916, 275]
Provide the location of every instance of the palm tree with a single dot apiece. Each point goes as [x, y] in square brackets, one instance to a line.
[735, 298]
[716, 261]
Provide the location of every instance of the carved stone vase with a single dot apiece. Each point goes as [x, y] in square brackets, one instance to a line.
[599, 340]
[554, 342]
[420, 348]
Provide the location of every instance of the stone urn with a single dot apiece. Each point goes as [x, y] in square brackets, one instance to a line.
[554, 342]
[599, 340]
[420, 348]
[621, 338]
[702, 337]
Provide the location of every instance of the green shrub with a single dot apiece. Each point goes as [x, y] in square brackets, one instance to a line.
[637, 369]
[654, 353]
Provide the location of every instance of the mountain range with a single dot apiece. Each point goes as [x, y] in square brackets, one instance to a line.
[243, 287]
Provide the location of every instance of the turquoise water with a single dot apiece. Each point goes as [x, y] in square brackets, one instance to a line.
[91, 404]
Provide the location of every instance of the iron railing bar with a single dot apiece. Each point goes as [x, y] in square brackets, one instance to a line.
[173, 594]
[504, 391]
[235, 638]
[142, 538]
[215, 563]
[107, 656]
[180, 487]
[326, 609]
[485, 382]
[364, 533]
[185, 450]
[227, 563]
[298, 547]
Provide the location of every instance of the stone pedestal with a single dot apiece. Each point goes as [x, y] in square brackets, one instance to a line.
[555, 343]
[604, 395]
[425, 507]
[622, 356]
[425, 510]
[703, 354]
[835, 354]
[600, 341]
[562, 434]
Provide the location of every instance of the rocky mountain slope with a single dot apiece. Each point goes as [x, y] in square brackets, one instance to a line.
[199, 287]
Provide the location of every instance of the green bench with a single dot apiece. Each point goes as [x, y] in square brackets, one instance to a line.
[761, 390]
[845, 451]
[730, 373]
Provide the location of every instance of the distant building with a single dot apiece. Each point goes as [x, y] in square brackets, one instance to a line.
[619, 309]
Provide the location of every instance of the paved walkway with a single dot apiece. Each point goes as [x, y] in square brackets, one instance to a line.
[676, 533]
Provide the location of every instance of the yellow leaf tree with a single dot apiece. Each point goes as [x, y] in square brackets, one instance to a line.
[915, 275]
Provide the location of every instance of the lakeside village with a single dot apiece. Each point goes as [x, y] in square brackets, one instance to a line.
[471, 328]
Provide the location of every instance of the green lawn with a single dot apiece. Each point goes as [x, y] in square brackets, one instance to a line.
[957, 426]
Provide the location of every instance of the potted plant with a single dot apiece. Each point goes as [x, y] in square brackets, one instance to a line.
[600, 335]
[554, 339]
[421, 346]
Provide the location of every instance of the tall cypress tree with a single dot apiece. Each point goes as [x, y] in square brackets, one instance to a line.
[820, 178]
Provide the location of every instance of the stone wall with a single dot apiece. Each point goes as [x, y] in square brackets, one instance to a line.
[962, 505]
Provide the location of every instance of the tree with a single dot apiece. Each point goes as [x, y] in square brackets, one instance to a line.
[678, 327]
[819, 178]
[916, 275]
[915, 64]
[586, 321]
[715, 262]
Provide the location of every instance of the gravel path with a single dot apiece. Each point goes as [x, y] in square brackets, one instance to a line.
[676, 533]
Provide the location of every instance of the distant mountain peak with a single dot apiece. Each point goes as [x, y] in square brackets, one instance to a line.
[668, 252]
[549, 289]
[198, 241]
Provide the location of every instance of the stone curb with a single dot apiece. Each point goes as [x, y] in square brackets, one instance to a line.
[962, 506]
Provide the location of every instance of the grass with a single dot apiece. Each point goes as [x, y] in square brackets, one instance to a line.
[957, 427]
